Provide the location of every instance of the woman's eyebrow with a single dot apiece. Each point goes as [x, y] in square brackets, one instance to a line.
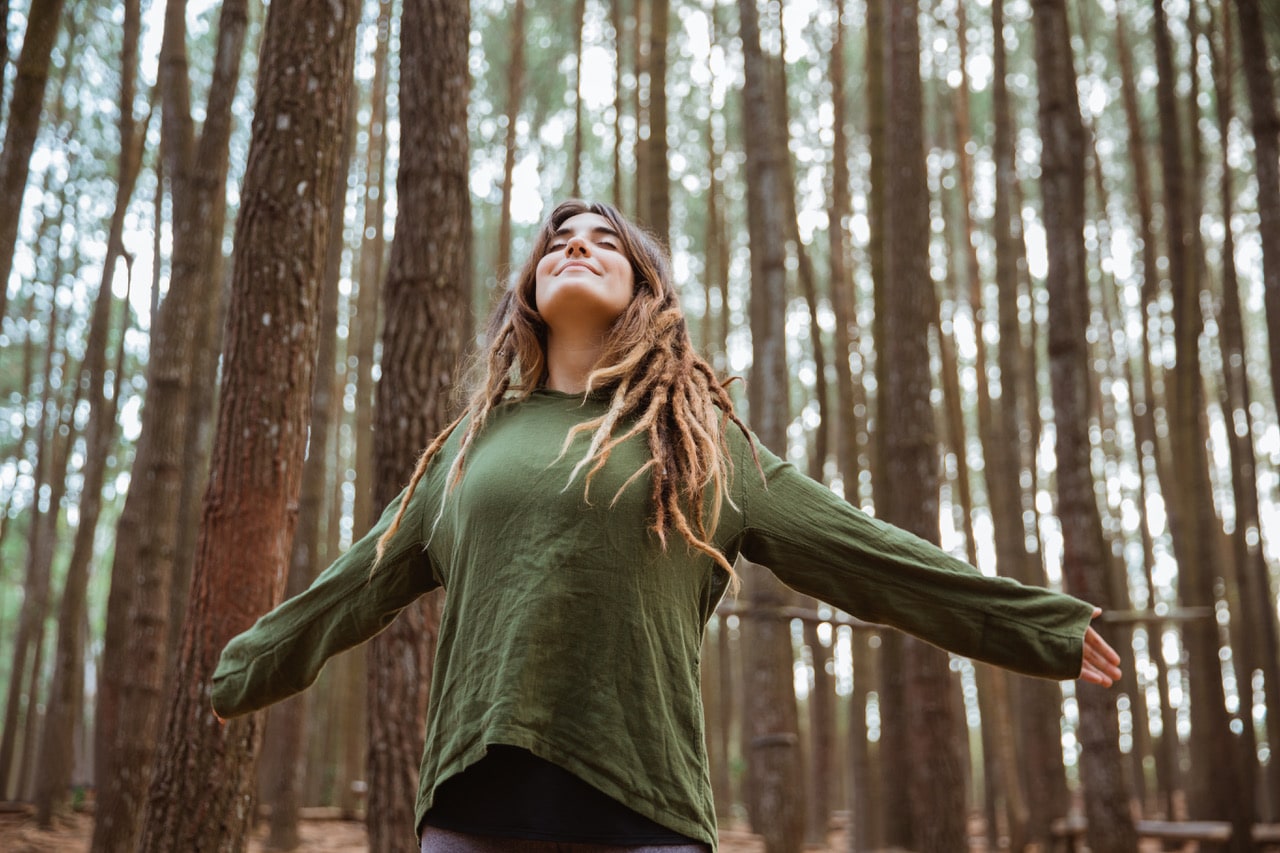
[597, 231]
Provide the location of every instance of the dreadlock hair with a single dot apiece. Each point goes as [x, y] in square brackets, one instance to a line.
[659, 387]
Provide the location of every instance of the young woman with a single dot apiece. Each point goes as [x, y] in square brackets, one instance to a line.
[584, 515]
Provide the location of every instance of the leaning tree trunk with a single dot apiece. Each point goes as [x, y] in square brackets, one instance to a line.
[428, 299]
[769, 708]
[243, 551]
[24, 125]
[1085, 558]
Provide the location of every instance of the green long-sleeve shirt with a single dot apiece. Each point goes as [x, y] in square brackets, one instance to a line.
[567, 629]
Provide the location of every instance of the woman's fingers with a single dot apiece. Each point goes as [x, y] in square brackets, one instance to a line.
[1100, 663]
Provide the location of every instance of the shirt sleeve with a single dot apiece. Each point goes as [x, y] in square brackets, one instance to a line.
[820, 545]
[284, 651]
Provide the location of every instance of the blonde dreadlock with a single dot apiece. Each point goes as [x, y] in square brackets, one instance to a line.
[654, 376]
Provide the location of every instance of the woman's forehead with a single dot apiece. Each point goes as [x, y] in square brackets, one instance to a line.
[581, 223]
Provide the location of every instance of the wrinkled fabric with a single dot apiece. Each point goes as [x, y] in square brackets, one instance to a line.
[568, 630]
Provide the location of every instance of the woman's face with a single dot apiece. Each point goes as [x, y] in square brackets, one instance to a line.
[584, 281]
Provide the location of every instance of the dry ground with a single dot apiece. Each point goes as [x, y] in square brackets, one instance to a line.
[18, 834]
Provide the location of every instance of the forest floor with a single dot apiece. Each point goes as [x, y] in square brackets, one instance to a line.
[19, 834]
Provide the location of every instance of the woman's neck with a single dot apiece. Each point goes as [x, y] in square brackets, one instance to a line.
[570, 361]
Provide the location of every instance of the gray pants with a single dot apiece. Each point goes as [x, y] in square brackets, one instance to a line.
[444, 841]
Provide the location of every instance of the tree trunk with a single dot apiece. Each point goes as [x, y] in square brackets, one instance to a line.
[769, 707]
[575, 167]
[299, 123]
[658, 185]
[1259, 650]
[515, 92]
[845, 426]
[1038, 703]
[1147, 440]
[1260, 83]
[372, 272]
[25, 105]
[66, 694]
[641, 22]
[428, 299]
[290, 720]
[615, 19]
[1084, 550]
[36, 581]
[936, 783]
[1214, 790]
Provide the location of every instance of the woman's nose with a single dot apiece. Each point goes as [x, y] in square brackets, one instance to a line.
[576, 245]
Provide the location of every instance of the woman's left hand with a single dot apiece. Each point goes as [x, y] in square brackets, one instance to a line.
[1101, 663]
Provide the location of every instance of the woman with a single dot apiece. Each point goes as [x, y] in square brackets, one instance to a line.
[584, 515]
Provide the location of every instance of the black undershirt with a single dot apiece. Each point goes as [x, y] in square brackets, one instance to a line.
[512, 793]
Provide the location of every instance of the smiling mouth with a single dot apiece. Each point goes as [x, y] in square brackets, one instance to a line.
[576, 266]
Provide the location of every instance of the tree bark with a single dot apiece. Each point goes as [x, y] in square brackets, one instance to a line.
[1144, 406]
[291, 720]
[25, 105]
[575, 167]
[1038, 703]
[1260, 646]
[135, 653]
[1265, 123]
[66, 693]
[658, 185]
[515, 93]
[846, 423]
[771, 726]
[428, 299]
[1084, 550]
[36, 580]
[936, 781]
[299, 123]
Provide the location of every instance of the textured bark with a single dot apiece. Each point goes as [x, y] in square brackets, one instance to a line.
[290, 721]
[67, 690]
[23, 126]
[250, 508]
[1265, 123]
[575, 167]
[657, 214]
[1037, 704]
[428, 299]
[845, 422]
[771, 725]
[1214, 782]
[641, 12]
[1084, 550]
[515, 92]
[1144, 423]
[615, 19]
[364, 322]
[822, 740]
[1261, 645]
[135, 653]
[36, 582]
[936, 782]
